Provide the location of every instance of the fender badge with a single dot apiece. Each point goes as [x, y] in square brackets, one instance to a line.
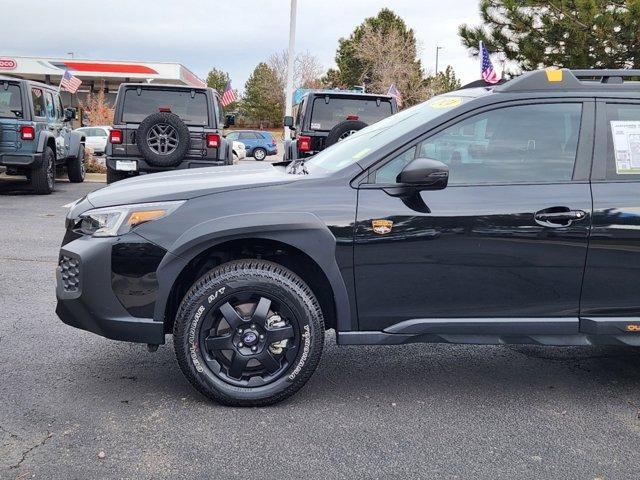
[382, 227]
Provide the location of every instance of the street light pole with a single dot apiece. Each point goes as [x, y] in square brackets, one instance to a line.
[437, 52]
[288, 101]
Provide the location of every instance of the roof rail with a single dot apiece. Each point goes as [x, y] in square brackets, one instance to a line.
[571, 80]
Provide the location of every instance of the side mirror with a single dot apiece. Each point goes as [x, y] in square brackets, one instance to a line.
[288, 121]
[69, 114]
[425, 173]
[229, 121]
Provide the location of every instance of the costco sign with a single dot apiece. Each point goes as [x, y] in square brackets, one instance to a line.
[8, 64]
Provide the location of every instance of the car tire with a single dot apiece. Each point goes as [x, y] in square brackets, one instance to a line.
[148, 131]
[343, 130]
[115, 176]
[259, 154]
[76, 167]
[221, 329]
[43, 178]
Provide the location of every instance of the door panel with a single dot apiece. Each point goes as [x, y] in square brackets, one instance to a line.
[612, 275]
[472, 252]
[507, 238]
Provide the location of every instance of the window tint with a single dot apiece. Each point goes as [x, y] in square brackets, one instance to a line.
[192, 111]
[389, 173]
[58, 106]
[10, 101]
[326, 115]
[49, 107]
[528, 143]
[37, 96]
[233, 135]
[623, 141]
[248, 136]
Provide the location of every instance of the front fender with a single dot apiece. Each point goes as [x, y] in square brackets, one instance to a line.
[303, 231]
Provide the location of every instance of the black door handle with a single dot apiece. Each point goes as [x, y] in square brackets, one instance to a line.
[561, 216]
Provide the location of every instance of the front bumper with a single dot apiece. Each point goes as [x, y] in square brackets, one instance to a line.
[30, 160]
[86, 299]
[143, 166]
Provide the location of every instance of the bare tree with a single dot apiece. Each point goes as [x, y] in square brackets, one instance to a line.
[307, 69]
[389, 58]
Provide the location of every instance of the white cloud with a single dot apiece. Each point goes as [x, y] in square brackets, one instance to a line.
[234, 36]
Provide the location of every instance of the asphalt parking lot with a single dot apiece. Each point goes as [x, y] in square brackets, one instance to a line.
[419, 411]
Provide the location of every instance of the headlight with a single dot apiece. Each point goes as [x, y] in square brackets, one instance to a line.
[114, 221]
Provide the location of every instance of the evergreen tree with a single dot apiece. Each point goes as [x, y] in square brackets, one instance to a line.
[262, 100]
[563, 33]
[442, 82]
[217, 79]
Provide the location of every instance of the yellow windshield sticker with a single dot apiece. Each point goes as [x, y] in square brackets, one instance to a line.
[361, 153]
[445, 102]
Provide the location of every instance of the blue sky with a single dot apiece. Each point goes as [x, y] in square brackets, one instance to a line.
[232, 35]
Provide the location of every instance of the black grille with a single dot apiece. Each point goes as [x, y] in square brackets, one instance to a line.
[70, 273]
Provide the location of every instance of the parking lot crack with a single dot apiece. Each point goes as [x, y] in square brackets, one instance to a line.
[31, 449]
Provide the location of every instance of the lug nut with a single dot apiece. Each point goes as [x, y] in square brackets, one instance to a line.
[261, 337]
[239, 330]
[253, 349]
[253, 327]
[240, 345]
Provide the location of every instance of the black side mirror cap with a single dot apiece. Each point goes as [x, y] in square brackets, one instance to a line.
[288, 121]
[425, 174]
[69, 114]
[229, 121]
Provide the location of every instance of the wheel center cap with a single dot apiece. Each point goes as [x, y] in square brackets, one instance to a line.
[250, 339]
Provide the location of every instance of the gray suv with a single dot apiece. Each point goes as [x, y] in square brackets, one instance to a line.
[36, 135]
[166, 127]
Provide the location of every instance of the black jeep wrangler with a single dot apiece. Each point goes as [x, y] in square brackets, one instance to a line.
[493, 215]
[325, 117]
[166, 127]
[36, 137]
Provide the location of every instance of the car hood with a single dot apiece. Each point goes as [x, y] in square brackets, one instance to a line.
[190, 183]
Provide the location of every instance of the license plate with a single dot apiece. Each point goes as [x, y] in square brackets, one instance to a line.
[126, 165]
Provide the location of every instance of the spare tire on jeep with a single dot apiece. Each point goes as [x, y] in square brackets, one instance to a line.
[163, 139]
[343, 130]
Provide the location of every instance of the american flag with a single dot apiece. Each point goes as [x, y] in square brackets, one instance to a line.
[229, 96]
[489, 74]
[69, 82]
[393, 91]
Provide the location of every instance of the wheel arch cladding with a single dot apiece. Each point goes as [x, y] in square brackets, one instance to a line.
[300, 242]
[75, 139]
[46, 139]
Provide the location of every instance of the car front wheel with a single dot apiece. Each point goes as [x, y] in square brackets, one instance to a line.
[249, 333]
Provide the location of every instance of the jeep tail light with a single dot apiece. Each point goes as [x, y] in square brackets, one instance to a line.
[213, 140]
[115, 136]
[27, 132]
[352, 117]
[304, 144]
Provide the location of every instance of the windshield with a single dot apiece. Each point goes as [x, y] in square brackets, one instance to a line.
[373, 137]
[329, 111]
[10, 101]
[191, 109]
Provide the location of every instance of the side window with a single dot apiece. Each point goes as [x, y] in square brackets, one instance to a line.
[525, 143]
[221, 116]
[232, 136]
[58, 106]
[390, 171]
[248, 136]
[37, 97]
[623, 141]
[49, 107]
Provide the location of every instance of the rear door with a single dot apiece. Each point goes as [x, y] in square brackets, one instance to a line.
[611, 292]
[506, 239]
[54, 124]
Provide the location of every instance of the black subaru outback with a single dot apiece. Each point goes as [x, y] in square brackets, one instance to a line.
[325, 117]
[497, 215]
[166, 127]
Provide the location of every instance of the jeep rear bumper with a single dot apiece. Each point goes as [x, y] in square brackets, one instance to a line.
[143, 166]
[30, 160]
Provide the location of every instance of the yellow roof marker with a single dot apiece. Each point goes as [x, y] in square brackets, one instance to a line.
[554, 74]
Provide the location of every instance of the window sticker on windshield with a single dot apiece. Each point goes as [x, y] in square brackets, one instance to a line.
[316, 126]
[445, 102]
[626, 146]
[361, 153]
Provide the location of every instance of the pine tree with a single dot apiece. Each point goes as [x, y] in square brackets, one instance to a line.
[217, 79]
[262, 100]
[563, 33]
